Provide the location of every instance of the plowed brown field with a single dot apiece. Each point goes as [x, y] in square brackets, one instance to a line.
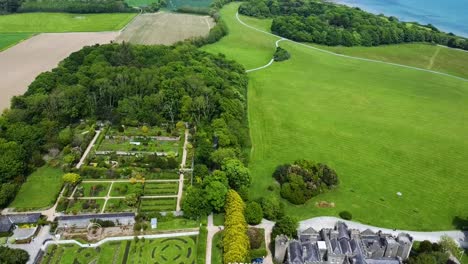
[20, 64]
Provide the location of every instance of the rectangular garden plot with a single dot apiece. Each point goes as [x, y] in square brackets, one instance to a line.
[92, 189]
[120, 189]
[84, 206]
[139, 145]
[118, 205]
[158, 205]
[161, 188]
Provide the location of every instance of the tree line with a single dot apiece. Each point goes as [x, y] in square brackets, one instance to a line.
[70, 6]
[331, 24]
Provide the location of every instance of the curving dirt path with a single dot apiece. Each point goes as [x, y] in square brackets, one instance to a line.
[271, 61]
[341, 55]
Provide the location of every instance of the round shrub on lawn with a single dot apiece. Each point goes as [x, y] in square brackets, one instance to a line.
[346, 215]
[253, 213]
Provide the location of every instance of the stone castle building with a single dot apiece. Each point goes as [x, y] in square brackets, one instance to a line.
[342, 246]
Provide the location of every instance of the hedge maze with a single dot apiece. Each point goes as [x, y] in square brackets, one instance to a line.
[176, 250]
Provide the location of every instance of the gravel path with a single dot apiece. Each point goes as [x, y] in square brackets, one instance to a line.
[181, 175]
[88, 149]
[269, 63]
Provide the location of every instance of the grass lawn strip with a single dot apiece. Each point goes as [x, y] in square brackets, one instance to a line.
[159, 204]
[392, 128]
[40, 189]
[216, 251]
[10, 39]
[63, 22]
[147, 145]
[154, 189]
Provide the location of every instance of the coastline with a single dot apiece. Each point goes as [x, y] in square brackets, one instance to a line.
[411, 16]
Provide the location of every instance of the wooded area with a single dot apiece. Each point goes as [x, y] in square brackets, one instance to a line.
[331, 24]
[124, 84]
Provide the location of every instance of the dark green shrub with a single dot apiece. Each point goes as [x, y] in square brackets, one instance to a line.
[346, 215]
[258, 253]
[281, 54]
[253, 213]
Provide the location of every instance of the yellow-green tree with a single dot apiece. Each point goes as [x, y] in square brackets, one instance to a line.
[235, 240]
[72, 178]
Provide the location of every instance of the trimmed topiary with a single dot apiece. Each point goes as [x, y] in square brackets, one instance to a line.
[346, 215]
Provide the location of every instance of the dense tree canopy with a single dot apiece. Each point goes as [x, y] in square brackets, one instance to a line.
[304, 179]
[13, 256]
[331, 24]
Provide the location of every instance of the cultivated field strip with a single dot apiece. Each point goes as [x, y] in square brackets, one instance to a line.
[165, 28]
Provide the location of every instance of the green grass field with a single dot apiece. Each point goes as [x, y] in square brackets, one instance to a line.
[385, 129]
[140, 3]
[424, 56]
[63, 22]
[419, 55]
[158, 205]
[9, 39]
[161, 188]
[40, 189]
[216, 250]
[163, 250]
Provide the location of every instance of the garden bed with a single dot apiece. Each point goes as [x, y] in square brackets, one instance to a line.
[92, 189]
[124, 188]
[158, 205]
[84, 206]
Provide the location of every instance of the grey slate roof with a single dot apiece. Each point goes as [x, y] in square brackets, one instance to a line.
[5, 224]
[342, 231]
[312, 252]
[24, 218]
[7, 221]
[295, 252]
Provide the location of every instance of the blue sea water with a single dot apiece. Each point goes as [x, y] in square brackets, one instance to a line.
[447, 15]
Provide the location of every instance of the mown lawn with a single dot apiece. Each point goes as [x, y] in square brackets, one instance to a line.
[9, 39]
[216, 251]
[40, 189]
[140, 3]
[63, 22]
[424, 56]
[385, 129]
